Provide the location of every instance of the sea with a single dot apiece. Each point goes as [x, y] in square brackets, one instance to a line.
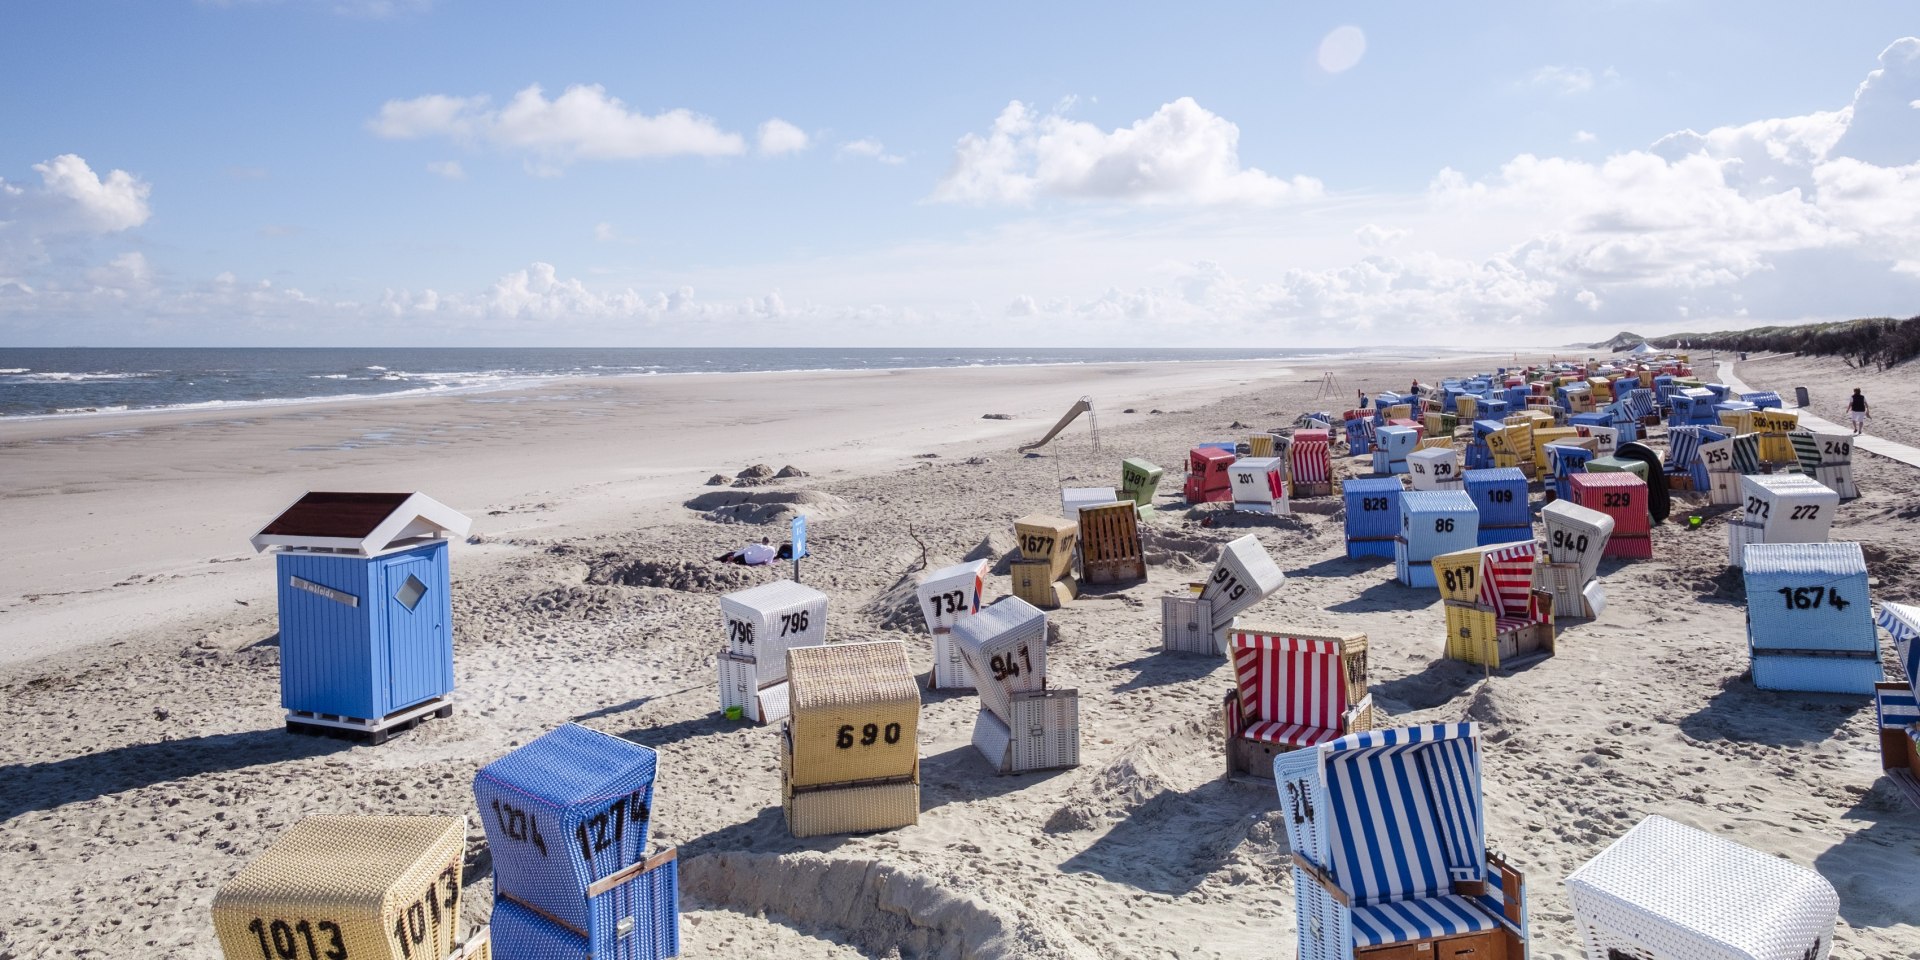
[81, 381]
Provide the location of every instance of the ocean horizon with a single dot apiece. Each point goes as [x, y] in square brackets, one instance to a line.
[79, 381]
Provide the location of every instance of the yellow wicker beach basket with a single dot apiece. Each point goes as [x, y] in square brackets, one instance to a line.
[1051, 539]
[360, 887]
[856, 713]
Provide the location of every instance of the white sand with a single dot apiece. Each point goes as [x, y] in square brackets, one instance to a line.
[147, 761]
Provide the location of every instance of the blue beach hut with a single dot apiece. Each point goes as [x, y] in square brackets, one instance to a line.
[1387, 831]
[1373, 515]
[366, 616]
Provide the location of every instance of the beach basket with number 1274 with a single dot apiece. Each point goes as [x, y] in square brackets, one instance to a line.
[567, 818]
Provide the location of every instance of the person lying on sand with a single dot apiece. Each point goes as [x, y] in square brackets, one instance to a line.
[751, 555]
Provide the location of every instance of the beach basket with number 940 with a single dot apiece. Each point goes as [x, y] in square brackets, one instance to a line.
[339, 886]
[850, 759]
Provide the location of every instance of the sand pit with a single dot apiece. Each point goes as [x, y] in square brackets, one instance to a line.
[766, 506]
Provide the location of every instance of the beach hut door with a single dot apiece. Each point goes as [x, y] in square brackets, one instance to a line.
[412, 631]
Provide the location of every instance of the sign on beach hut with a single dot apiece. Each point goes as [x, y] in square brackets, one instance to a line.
[850, 755]
[366, 610]
[947, 596]
[759, 625]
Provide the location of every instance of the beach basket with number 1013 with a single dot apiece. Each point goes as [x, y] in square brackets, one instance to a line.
[340, 886]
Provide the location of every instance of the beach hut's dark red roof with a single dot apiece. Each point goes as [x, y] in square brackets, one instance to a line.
[350, 516]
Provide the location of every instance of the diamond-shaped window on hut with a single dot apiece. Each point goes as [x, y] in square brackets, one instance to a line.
[410, 592]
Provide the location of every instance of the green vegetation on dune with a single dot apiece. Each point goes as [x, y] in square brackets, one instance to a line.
[1880, 342]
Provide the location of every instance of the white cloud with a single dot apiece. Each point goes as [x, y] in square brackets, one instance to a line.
[1182, 154]
[1562, 80]
[778, 136]
[1373, 236]
[604, 233]
[582, 123]
[71, 198]
[447, 169]
[1588, 299]
[1582, 136]
[1341, 49]
[871, 149]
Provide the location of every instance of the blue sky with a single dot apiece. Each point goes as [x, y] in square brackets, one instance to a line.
[357, 171]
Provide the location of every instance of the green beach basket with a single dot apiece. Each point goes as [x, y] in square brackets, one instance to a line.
[1139, 480]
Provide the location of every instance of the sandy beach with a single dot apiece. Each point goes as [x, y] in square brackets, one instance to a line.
[147, 761]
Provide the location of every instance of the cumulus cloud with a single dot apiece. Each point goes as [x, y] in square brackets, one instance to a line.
[1182, 154]
[582, 123]
[71, 198]
[1582, 136]
[871, 149]
[778, 136]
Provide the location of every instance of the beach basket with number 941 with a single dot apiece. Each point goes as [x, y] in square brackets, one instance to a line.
[339, 886]
[850, 756]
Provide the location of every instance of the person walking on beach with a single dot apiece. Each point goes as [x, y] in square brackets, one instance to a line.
[1857, 411]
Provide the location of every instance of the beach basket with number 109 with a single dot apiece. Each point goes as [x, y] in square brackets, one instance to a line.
[329, 887]
[567, 819]
[850, 759]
